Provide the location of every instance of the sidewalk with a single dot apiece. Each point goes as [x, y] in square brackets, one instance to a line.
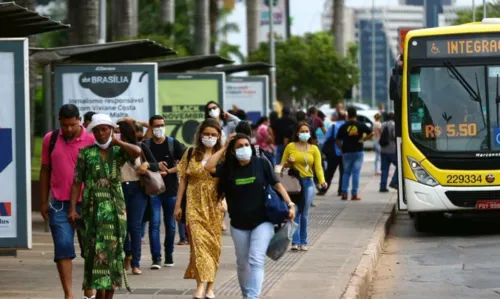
[339, 234]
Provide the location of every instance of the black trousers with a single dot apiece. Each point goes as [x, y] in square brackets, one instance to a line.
[334, 161]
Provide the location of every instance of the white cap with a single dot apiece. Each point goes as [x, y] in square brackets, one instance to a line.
[100, 119]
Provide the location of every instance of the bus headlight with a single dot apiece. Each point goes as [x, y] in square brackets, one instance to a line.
[421, 174]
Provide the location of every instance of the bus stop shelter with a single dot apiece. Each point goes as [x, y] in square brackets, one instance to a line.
[191, 63]
[238, 68]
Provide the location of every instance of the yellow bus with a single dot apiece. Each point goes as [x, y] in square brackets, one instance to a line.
[446, 93]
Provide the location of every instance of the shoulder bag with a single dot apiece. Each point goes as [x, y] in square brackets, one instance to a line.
[152, 181]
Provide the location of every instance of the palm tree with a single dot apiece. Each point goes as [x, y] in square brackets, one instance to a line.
[125, 18]
[201, 28]
[31, 5]
[167, 11]
[83, 18]
[252, 25]
[214, 17]
[338, 25]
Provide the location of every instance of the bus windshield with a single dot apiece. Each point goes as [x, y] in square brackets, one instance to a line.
[455, 108]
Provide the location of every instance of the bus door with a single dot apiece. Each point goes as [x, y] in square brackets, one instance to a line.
[395, 91]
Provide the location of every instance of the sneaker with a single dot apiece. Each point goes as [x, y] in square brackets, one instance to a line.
[394, 186]
[344, 197]
[383, 190]
[183, 242]
[355, 197]
[169, 261]
[156, 265]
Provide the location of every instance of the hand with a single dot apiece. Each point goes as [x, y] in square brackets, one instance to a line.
[143, 168]
[163, 166]
[324, 185]
[163, 173]
[72, 216]
[223, 206]
[226, 115]
[44, 210]
[231, 137]
[178, 213]
[291, 213]
[126, 118]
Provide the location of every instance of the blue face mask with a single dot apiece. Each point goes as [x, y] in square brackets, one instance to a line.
[304, 137]
[244, 153]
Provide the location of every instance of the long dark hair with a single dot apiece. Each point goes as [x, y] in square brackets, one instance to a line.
[127, 132]
[199, 147]
[297, 129]
[207, 115]
[230, 163]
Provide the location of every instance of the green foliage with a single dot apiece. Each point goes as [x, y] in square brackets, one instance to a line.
[465, 16]
[309, 68]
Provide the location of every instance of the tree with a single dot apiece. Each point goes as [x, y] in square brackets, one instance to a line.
[83, 17]
[308, 68]
[167, 11]
[202, 28]
[338, 25]
[124, 19]
[214, 22]
[252, 25]
[465, 16]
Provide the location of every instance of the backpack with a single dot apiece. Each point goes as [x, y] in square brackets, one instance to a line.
[385, 137]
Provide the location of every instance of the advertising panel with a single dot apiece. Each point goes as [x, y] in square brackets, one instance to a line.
[15, 177]
[182, 99]
[279, 17]
[250, 94]
[116, 89]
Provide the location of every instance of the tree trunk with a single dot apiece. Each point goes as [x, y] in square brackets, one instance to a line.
[252, 26]
[201, 28]
[125, 19]
[31, 5]
[338, 26]
[214, 16]
[83, 16]
[167, 11]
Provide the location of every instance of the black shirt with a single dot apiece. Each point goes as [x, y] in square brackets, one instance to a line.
[162, 153]
[283, 128]
[350, 133]
[244, 190]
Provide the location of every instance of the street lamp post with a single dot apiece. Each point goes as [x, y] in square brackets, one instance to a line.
[272, 55]
[373, 53]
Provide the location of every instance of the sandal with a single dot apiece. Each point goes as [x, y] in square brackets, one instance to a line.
[136, 271]
[304, 248]
[295, 248]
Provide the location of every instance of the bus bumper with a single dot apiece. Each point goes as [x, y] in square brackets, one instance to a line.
[423, 198]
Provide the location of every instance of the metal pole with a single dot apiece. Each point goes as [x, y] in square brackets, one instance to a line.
[47, 97]
[273, 56]
[484, 9]
[102, 22]
[473, 10]
[373, 54]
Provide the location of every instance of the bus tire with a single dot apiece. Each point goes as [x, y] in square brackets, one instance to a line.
[424, 222]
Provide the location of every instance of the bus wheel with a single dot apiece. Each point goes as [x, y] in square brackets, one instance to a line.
[425, 222]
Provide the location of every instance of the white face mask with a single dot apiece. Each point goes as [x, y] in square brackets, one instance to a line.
[209, 141]
[244, 153]
[105, 145]
[159, 132]
[214, 113]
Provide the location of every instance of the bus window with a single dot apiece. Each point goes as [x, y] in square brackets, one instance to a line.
[442, 114]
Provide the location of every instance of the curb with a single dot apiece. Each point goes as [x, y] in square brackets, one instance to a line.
[359, 284]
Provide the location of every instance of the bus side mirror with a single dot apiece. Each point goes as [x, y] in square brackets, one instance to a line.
[395, 87]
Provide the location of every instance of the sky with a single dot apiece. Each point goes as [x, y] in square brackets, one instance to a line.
[306, 16]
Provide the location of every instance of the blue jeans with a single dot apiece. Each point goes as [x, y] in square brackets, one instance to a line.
[387, 160]
[63, 234]
[168, 205]
[302, 217]
[280, 149]
[250, 248]
[352, 168]
[135, 202]
[377, 156]
[182, 231]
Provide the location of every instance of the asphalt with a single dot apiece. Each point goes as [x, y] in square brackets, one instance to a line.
[339, 234]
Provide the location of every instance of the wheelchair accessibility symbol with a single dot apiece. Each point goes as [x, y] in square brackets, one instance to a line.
[5, 148]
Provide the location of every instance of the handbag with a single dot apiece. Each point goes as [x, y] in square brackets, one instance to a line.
[280, 241]
[288, 178]
[276, 208]
[152, 181]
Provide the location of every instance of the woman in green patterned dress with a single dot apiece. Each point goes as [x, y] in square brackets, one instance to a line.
[104, 218]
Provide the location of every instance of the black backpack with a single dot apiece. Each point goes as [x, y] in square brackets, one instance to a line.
[385, 137]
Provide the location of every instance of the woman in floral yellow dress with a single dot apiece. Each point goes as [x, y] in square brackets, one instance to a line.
[203, 209]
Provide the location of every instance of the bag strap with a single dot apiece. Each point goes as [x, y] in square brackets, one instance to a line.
[171, 148]
[52, 145]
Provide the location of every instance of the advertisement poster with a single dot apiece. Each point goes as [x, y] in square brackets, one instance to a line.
[119, 90]
[182, 99]
[249, 94]
[15, 180]
[279, 17]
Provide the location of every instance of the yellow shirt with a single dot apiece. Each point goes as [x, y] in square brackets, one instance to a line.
[305, 161]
